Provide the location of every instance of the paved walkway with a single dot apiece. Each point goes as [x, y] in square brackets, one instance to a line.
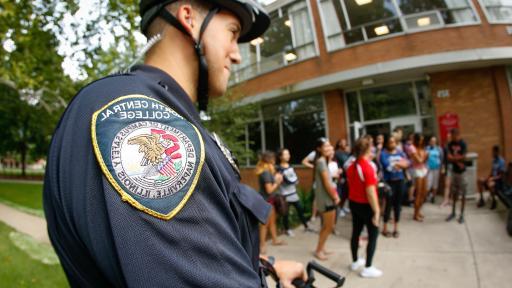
[477, 254]
[434, 253]
[23, 222]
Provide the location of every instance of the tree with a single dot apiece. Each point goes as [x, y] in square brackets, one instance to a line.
[33, 88]
[228, 120]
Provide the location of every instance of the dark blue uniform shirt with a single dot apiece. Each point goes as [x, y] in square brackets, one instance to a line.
[109, 231]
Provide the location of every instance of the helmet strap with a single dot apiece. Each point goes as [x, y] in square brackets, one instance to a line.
[202, 85]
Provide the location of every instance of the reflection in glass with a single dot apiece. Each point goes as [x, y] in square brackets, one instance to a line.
[353, 107]
[498, 10]
[376, 129]
[272, 139]
[389, 101]
[300, 132]
[289, 39]
[424, 98]
[254, 131]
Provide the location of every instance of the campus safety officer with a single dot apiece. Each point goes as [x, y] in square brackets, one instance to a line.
[137, 193]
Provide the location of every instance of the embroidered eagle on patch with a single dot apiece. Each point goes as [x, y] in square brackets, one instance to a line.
[151, 155]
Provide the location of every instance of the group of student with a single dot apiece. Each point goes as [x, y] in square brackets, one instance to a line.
[388, 172]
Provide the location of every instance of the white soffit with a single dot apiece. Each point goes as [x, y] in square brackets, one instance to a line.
[445, 61]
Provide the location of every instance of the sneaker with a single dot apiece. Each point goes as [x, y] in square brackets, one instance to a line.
[481, 203]
[346, 209]
[371, 272]
[493, 205]
[290, 233]
[342, 213]
[358, 264]
[461, 219]
[450, 218]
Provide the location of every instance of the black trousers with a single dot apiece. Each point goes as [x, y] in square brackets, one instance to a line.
[300, 212]
[362, 216]
[395, 201]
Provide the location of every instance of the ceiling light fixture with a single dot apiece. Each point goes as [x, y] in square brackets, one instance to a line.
[381, 30]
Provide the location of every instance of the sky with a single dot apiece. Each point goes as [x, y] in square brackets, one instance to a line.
[89, 9]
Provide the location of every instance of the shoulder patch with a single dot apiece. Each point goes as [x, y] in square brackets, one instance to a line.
[150, 154]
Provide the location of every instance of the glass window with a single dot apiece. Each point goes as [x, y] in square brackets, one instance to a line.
[254, 137]
[353, 107]
[351, 21]
[424, 98]
[364, 12]
[333, 21]
[301, 121]
[300, 132]
[428, 126]
[389, 101]
[376, 129]
[451, 11]
[272, 138]
[498, 10]
[289, 39]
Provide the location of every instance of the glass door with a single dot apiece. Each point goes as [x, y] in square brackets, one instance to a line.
[408, 125]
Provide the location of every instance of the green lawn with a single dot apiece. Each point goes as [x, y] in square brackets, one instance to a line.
[19, 269]
[22, 194]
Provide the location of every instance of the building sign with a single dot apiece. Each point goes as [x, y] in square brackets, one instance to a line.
[447, 122]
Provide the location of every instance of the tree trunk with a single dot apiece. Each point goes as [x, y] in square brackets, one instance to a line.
[23, 151]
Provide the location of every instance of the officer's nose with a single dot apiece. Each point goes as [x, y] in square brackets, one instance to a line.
[235, 56]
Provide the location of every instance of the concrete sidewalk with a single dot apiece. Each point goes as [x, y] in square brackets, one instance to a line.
[429, 254]
[26, 223]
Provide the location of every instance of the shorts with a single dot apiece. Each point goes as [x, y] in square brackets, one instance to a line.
[459, 184]
[420, 172]
[433, 179]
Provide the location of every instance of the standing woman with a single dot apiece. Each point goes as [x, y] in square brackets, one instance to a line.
[434, 163]
[419, 156]
[326, 196]
[288, 189]
[393, 162]
[364, 205]
[269, 183]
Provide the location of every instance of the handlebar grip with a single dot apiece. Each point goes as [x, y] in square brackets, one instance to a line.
[338, 279]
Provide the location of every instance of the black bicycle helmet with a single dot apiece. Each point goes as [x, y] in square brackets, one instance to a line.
[253, 18]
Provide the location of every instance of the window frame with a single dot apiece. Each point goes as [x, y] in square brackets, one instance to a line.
[487, 14]
[277, 7]
[417, 115]
[401, 17]
[245, 162]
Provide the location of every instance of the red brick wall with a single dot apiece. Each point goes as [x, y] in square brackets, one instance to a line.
[414, 44]
[474, 98]
[335, 110]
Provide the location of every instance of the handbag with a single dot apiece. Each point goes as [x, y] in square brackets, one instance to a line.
[280, 205]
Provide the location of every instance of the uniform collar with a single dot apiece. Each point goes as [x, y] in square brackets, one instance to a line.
[168, 83]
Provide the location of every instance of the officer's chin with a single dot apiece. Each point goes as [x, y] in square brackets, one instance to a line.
[216, 92]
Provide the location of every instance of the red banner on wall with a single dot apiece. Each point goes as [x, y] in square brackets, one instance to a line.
[447, 122]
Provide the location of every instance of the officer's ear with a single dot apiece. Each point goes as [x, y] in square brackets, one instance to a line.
[189, 19]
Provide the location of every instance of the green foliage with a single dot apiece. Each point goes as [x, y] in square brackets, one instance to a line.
[33, 87]
[229, 121]
[20, 270]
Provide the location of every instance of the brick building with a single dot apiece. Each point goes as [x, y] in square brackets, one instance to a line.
[331, 67]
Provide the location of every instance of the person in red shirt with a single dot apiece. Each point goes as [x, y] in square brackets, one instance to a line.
[362, 183]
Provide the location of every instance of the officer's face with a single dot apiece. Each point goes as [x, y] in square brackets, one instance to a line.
[221, 50]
